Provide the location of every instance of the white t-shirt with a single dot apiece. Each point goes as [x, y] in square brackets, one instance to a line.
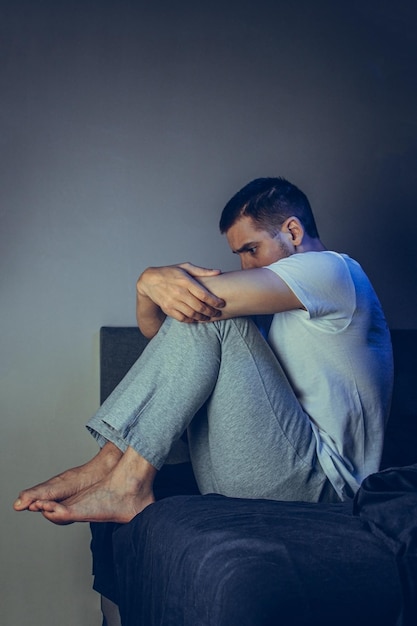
[337, 356]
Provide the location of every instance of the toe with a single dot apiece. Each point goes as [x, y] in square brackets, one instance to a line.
[54, 512]
[22, 502]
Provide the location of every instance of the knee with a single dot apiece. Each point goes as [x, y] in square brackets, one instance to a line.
[243, 325]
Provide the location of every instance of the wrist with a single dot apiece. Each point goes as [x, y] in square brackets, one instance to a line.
[142, 284]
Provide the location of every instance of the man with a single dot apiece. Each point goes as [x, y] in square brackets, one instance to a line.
[297, 417]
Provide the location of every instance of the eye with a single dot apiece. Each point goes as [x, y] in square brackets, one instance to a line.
[252, 251]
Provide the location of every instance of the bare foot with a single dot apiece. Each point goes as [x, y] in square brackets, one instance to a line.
[71, 481]
[121, 495]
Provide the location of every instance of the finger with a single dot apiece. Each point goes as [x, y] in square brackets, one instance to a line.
[199, 306]
[196, 270]
[208, 299]
[193, 311]
[193, 294]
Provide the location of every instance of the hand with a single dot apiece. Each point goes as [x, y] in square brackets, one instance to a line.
[175, 289]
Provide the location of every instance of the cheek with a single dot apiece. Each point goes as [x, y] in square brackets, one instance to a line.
[262, 260]
[272, 253]
[275, 253]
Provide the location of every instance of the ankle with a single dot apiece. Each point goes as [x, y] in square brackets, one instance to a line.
[110, 454]
[135, 472]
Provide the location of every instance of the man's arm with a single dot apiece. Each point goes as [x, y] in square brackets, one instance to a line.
[174, 290]
[251, 292]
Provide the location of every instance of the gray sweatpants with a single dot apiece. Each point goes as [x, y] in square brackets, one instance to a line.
[248, 435]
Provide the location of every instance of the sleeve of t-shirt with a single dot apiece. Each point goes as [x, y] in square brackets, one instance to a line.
[321, 281]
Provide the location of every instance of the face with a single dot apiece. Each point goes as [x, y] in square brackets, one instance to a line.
[256, 248]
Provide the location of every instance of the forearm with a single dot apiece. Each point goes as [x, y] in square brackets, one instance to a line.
[251, 292]
[149, 316]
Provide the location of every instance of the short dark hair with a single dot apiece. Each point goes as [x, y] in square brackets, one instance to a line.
[269, 202]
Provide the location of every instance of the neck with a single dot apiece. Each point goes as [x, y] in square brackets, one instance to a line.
[310, 244]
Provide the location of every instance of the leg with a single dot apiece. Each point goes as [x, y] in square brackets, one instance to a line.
[62, 498]
[254, 440]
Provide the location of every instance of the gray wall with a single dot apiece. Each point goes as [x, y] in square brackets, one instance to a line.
[125, 127]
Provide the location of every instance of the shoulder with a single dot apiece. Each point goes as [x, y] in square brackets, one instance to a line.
[325, 264]
[322, 281]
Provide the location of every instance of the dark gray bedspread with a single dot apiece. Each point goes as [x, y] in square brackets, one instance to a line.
[216, 561]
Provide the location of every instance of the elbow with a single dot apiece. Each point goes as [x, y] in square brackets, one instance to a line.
[150, 328]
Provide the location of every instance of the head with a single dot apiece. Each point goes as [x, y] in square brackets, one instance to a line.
[267, 220]
[269, 202]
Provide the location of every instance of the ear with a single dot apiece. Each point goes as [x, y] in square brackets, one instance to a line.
[294, 229]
